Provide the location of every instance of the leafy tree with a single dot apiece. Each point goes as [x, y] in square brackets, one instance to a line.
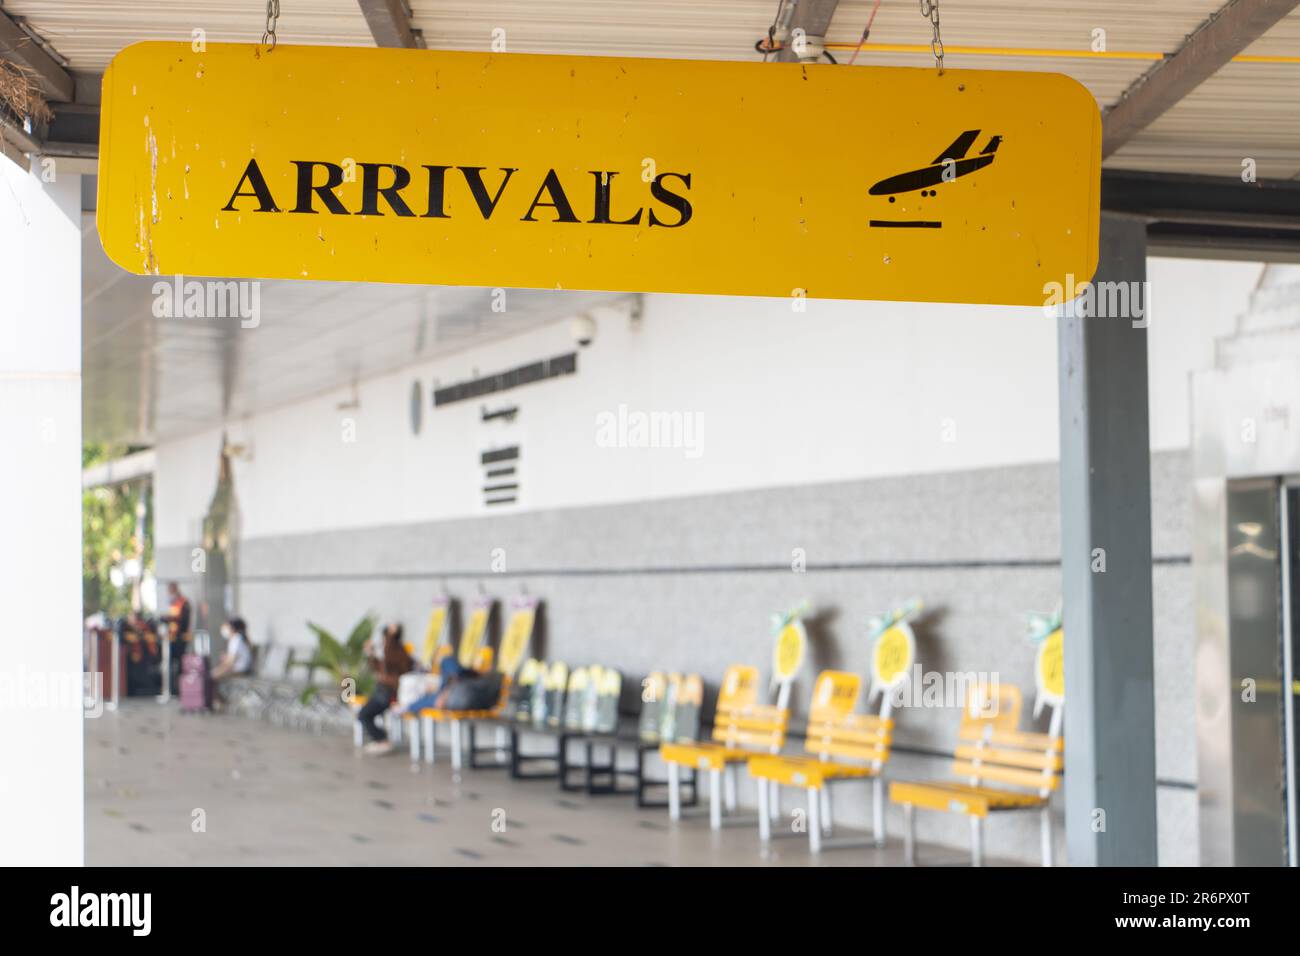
[108, 536]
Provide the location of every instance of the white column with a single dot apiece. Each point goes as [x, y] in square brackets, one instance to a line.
[41, 782]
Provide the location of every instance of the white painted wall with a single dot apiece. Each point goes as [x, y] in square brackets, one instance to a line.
[844, 390]
[41, 785]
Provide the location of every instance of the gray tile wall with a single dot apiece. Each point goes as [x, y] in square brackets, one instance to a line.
[690, 583]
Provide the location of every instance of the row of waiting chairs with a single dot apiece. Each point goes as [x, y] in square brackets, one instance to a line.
[274, 691]
[566, 706]
[998, 767]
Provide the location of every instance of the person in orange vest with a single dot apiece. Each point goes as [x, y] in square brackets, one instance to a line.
[177, 620]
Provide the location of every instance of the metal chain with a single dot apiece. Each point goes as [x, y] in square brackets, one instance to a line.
[930, 10]
[272, 14]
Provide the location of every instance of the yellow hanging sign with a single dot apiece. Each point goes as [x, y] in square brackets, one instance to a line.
[598, 173]
[433, 634]
[515, 643]
[471, 639]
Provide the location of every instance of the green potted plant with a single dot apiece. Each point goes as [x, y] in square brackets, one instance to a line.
[345, 661]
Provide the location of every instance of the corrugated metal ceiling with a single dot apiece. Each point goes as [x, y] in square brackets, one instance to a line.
[1245, 111]
[88, 33]
[1249, 110]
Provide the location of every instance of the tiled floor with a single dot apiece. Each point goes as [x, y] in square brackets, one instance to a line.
[163, 788]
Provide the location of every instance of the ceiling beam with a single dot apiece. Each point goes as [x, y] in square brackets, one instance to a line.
[390, 23]
[1223, 200]
[17, 46]
[813, 17]
[15, 144]
[1209, 216]
[1237, 25]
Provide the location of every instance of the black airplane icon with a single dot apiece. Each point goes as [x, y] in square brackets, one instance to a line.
[947, 166]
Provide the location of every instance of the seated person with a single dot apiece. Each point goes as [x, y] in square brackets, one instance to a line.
[389, 666]
[449, 672]
[459, 688]
[238, 659]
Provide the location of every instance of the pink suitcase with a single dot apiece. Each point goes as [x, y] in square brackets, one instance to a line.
[196, 684]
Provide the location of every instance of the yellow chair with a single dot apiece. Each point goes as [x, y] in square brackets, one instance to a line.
[838, 745]
[472, 639]
[741, 728]
[670, 707]
[993, 751]
[543, 715]
[523, 690]
[473, 653]
[431, 716]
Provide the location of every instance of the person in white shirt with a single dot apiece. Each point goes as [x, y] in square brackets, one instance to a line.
[239, 654]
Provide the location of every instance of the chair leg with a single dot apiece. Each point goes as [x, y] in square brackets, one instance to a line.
[455, 746]
[878, 810]
[976, 841]
[729, 794]
[909, 834]
[776, 800]
[358, 738]
[1045, 830]
[764, 820]
[715, 799]
[828, 823]
[674, 792]
[415, 743]
[814, 821]
[426, 725]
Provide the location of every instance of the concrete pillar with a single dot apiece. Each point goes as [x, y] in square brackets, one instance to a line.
[1110, 774]
[41, 782]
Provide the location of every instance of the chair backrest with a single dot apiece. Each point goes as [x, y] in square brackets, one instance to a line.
[993, 750]
[601, 714]
[835, 731]
[433, 650]
[740, 721]
[655, 704]
[670, 707]
[273, 662]
[688, 702]
[515, 641]
[575, 697]
[739, 687]
[475, 633]
[548, 706]
[521, 692]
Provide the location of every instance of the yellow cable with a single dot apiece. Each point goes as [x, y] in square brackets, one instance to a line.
[1036, 52]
